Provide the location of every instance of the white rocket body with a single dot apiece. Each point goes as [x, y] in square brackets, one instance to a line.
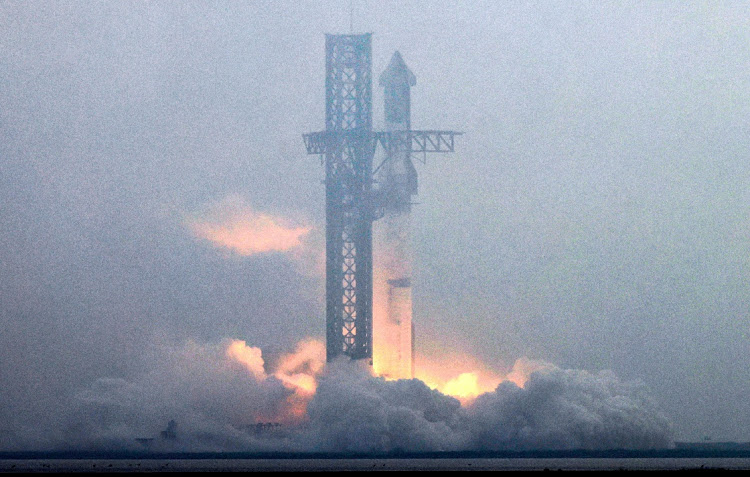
[396, 183]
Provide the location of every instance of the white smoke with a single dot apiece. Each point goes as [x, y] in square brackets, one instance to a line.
[215, 399]
[568, 409]
[217, 395]
[355, 412]
[556, 409]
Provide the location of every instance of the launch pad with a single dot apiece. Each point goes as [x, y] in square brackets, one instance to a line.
[360, 191]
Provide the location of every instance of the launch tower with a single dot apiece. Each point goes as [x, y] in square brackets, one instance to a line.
[347, 148]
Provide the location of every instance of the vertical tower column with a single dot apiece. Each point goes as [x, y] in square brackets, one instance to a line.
[349, 150]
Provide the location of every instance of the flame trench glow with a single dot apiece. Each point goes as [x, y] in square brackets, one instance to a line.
[231, 224]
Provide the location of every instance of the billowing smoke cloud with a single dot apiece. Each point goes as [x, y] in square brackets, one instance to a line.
[355, 412]
[214, 393]
[223, 397]
[233, 225]
[556, 409]
[567, 409]
[300, 369]
[217, 394]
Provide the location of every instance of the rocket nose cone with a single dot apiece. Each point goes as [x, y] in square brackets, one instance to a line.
[397, 72]
[397, 59]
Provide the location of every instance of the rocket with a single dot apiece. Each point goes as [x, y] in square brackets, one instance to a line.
[396, 181]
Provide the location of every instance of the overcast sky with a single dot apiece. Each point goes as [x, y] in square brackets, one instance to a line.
[596, 214]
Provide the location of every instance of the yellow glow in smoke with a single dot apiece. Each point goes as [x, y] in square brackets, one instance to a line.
[251, 235]
[250, 357]
[234, 225]
[454, 373]
[300, 370]
[464, 386]
[454, 376]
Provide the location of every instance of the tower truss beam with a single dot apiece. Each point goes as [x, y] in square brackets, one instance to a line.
[413, 141]
[348, 161]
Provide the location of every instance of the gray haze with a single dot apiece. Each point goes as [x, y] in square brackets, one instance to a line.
[596, 216]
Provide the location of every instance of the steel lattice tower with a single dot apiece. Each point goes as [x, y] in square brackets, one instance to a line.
[348, 145]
